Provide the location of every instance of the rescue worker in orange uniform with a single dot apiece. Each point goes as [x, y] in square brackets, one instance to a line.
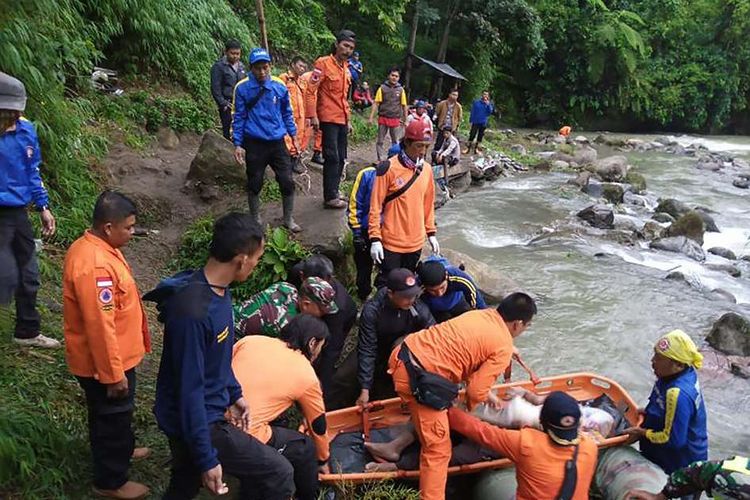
[541, 457]
[276, 373]
[328, 109]
[311, 133]
[402, 206]
[106, 337]
[297, 87]
[475, 348]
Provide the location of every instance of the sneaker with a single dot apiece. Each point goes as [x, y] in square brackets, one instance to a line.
[317, 158]
[128, 491]
[297, 166]
[38, 341]
[335, 204]
[140, 453]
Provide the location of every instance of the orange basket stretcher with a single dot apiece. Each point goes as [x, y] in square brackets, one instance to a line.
[390, 412]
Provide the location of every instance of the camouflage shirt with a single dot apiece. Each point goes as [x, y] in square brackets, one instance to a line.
[727, 479]
[266, 312]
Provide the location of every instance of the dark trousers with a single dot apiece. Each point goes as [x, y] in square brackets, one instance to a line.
[439, 141]
[325, 366]
[477, 131]
[334, 155]
[111, 434]
[393, 260]
[263, 473]
[300, 451]
[457, 310]
[225, 115]
[363, 262]
[346, 388]
[258, 155]
[19, 270]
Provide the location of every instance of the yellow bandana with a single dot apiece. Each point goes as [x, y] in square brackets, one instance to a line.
[678, 346]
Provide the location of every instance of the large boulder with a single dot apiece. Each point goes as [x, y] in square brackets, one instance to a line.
[673, 207]
[723, 252]
[613, 192]
[725, 267]
[680, 244]
[651, 230]
[690, 225]
[323, 231]
[637, 181]
[599, 216]
[708, 221]
[731, 335]
[582, 180]
[493, 284]
[214, 162]
[741, 182]
[585, 155]
[612, 168]
[663, 217]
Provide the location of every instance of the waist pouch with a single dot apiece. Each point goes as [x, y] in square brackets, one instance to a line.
[428, 388]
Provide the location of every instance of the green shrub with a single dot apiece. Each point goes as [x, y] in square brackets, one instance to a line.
[362, 131]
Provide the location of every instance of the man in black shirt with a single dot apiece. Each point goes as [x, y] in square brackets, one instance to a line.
[225, 73]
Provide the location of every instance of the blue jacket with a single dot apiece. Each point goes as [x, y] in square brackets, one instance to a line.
[358, 210]
[394, 149]
[480, 112]
[20, 157]
[270, 119]
[355, 69]
[195, 384]
[460, 285]
[676, 422]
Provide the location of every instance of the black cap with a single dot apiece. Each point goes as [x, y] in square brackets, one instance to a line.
[403, 282]
[560, 417]
[346, 36]
[431, 273]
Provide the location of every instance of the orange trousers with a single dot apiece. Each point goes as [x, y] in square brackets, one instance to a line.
[433, 431]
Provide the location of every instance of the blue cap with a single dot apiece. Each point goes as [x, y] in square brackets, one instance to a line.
[420, 104]
[259, 54]
[355, 53]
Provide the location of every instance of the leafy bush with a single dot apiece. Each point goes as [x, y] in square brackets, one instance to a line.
[362, 131]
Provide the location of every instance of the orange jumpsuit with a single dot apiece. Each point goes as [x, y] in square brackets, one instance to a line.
[540, 463]
[105, 328]
[309, 132]
[327, 95]
[473, 348]
[405, 221]
[296, 86]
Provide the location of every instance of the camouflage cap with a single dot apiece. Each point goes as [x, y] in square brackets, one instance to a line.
[320, 292]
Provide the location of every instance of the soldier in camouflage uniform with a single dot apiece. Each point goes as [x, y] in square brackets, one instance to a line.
[722, 479]
[267, 312]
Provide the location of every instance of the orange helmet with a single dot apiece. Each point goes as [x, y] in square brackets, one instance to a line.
[565, 131]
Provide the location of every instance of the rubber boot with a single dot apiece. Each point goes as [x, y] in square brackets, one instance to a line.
[287, 205]
[253, 201]
[468, 148]
[478, 148]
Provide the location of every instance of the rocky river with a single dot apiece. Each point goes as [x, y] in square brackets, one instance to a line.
[603, 292]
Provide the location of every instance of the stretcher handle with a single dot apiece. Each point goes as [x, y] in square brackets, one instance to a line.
[532, 376]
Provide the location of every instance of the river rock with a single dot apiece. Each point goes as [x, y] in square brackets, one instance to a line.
[612, 168]
[731, 335]
[666, 141]
[585, 155]
[441, 196]
[214, 162]
[663, 217]
[323, 231]
[690, 225]
[723, 252]
[708, 222]
[708, 164]
[167, 138]
[673, 207]
[493, 284]
[560, 165]
[582, 180]
[680, 244]
[722, 295]
[612, 192]
[741, 183]
[730, 269]
[689, 279]
[637, 181]
[518, 149]
[627, 223]
[594, 188]
[651, 230]
[599, 216]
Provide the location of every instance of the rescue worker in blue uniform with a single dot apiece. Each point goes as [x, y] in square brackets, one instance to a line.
[20, 187]
[448, 291]
[358, 212]
[262, 117]
[673, 434]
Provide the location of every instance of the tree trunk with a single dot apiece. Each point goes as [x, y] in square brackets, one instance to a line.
[443, 47]
[410, 49]
[261, 23]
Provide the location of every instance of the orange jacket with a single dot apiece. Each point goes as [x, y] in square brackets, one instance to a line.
[405, 221]
[105, 328]
[327, 93]
[297, 87]
[274, 377]
[474, 348]
[540, 463]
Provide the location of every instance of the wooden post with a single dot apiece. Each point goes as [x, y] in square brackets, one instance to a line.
[261, 23]
[411, 48]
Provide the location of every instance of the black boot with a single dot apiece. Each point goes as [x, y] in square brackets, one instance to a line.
[253, 201]
[317, 158]
[287, 205]
[297, 166]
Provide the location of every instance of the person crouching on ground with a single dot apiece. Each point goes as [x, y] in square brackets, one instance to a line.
[448, 291]
[673, 433]
[275, 374]
[541, 461]
[262, 119]
[448, 155]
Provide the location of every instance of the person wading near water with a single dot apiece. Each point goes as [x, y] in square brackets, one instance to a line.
[106, 337]
[481, 110]
[541, 457]
[20, 186]
[391, 106]
[296, 85]
[328, 109]
[262, 119]
[673, 433]
[402, 206]
[276, 374]
[448, 291]
[448, 113]
[196, 391]
[428, 365]
[225, 73]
